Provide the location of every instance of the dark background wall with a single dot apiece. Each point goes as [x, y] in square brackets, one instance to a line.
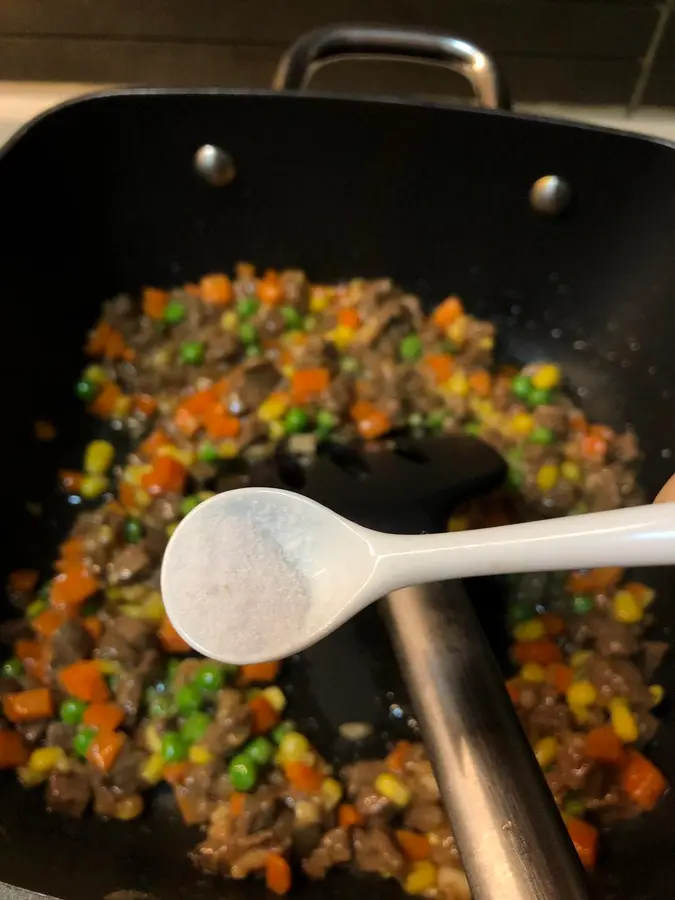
[555, 50]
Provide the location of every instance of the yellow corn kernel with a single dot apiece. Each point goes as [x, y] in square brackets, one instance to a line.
[579, 658]
[458, 523]
[533, 672]
[275, 697]
[532, 630]
[581, 694]
[643, 594]
[152, 608]
[227, 449]
[129, 807]
[546, 751]
[134, 474]
[171, 528]
[623, 721]
[547, 477]
[30, 779]
[109, 666]
[184, 457]
[580, 714]
[546, 377]
[93, 486]
[457, 384]
[134, 593]
[457, 331]
[96, 374]
[229, 321]
[122, 406]
[391, 787]
[521, 424]
[656, 692]
[273, 408]
[331, 792]
[98, 457]
[570, 471]
[45, 760]
[161, 359]
[152, 740]
[421, 878]
[288, 370]
[200, 756]
[341, 336]
[306, 813]
[319, 300]
[275, 431]
[626, 609]
[293, 747]
[152, 768]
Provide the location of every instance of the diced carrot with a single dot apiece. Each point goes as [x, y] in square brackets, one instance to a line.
[105, 748]
[192, 289]
[415, 846]
[26, 706]
[190, 805]
[185, 422]
[440, 365]
[94, 626]
[175, 772]
[553, 625]
[397, 757]
[593, 447]
[307, 383]
[98, 339]
[167, 476]
[22, 581]
[513, 689]
[170, 639]
[26, 650]
[237, 803]
[218, 423]
[145, 404]
[13, 751]
[259, 672]
[577, 422]
[594, 580]
[200, 402]
[84, 680]
[153, 442]
[72, 549]
[543, 651]
[643, 594]
[104, 716]
[302, 776]
[480, 383]
[447, 312]
[270, 289]
[603, 745]
[277, 874]
[349, 317]
[154, 302]
[263, 715]
[70, 480]
[370, 421]
[72, 587]
[348, 815]
[602, 431]
[114, 345]
[106, 401]
[216, 289]
[641, 780]
[127, 495]
[48, 622]
[560, 676]
[585, 839]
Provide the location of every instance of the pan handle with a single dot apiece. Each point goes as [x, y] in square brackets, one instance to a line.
[325, 45]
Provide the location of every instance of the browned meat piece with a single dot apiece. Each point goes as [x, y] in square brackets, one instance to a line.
[553, 417]
[270, 322]
[105, 800]
[125, 640]
[452, 884]
[359, 779]
[221, 346]
[374, 851]
[478, 345]
[162, 511]
[70, 642]
[443, 847]
[132, 682]
[251, 385]
[625, 448]
[334, 849]
[572, 765]
[68, 793]
[10, 685]
[32, 732]
[653, 653]
[548, 715]
[611, 638]
[339, 396]
[60, 735]
[296, 289]
[617, 678]
[423, 817]
[232, 724]
[193, 795]
[128, 564]
[249, 861]
[601, 490]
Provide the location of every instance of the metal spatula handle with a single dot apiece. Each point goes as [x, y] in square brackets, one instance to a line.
[510, 835]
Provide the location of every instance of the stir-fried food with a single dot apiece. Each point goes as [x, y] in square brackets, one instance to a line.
[102, 700]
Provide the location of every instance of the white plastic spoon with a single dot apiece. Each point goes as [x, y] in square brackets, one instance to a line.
[259, 573]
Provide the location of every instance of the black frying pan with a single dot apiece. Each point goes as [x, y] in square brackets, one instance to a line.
[102, 195]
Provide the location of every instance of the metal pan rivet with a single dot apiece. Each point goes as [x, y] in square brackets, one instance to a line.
[550, 195]
[214, 165]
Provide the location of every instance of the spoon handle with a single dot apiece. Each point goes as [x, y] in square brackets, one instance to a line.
[641, 535]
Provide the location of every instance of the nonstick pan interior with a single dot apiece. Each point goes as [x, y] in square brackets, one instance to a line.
[101, 196]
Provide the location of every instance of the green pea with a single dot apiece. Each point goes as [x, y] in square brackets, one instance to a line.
[161, 705]
[473, 428]
[248, 333]
[83, 740]
[171, 667]
[292, 318]
[410, 348]
[174, 747]
[282, 729]
[247, 307]
[243, 772]
[309, 323]
[13, 667]
[188, 699]
[253, 351]
[295, 421]
[72, 710]
[435, 420]
[192, 353]
[325, 422]
[208, 453]
[515, 455]
[539, 397]
[574, 805]
[174, 313]
[86, 390]
[541, 435]
[36, 607]
[521, 386]
[187, 504]
[520, 612]
[515, 478]
[349, 364]
[194, 727]
[133, 531]
[260, 750]
[582, 604]
[209, 677]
